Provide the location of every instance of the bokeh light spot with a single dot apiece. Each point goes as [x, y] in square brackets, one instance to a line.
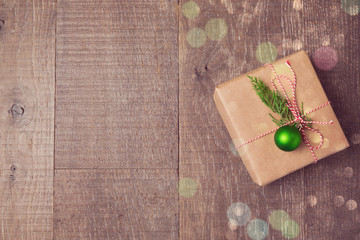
[187, 187]
[348, 172]
[290, 229]
[232, 224]
[312, 200]
[266, 52]
[325, 58]
[196, 37]
[216, 29]
[240, 212]
[355, 138]
[190, 9]
[277, 218]
[351, 7]
[233, 150]
[297, 5]
[339, 201]
[257, 229]
[351, 205]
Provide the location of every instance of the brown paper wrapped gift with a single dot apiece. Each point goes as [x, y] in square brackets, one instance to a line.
[246, 117]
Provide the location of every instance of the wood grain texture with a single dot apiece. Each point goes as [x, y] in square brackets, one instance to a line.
[116, 204]
[338, 177]
[117, 84]
[27, 87]
[116, 153]
[206, 152]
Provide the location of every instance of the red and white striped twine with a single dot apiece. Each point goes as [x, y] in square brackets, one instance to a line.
[293, 106]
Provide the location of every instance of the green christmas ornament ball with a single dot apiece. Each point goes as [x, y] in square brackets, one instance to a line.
[287, 138]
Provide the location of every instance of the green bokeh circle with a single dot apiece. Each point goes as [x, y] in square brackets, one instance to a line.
[277, 218]
[216, 29]
[190, 9]
[290, 229]
[187, 187]
[266, 52]
[196, 37]
[351, 7]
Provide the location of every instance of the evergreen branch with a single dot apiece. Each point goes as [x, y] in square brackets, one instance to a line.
[275, 102]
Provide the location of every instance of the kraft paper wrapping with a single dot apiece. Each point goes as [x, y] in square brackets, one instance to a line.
[246, 117]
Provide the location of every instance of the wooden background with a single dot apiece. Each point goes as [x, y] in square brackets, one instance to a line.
[108, 129]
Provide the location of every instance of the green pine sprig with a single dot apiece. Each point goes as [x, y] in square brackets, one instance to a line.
[275, 102]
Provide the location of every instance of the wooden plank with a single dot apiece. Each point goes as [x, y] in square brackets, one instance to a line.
[206, 152]
[117, 84]
[116, 204]
[335, 184]
[116, 153]
[27, 70]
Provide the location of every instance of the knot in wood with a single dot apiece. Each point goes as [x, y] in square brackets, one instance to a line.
[13, 168]
[12, 177]
[17, 110]
[2, 22]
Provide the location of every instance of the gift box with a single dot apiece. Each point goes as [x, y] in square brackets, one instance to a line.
[247, 118]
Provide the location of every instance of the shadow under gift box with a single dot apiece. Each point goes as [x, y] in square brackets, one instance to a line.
[246, 117]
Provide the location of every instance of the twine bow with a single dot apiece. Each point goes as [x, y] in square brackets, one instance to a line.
[298, 118]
